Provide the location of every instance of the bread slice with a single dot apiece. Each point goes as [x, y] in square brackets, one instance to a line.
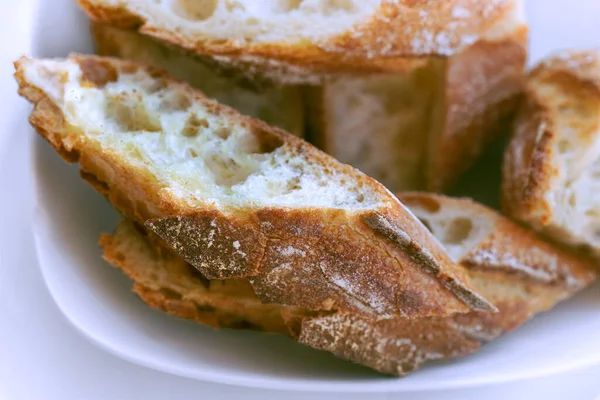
[516, 270]
[295, 41]
[552, 164]
[281, 106]
[166, 282]
[519, 272]
[422, 129]
[237, 198]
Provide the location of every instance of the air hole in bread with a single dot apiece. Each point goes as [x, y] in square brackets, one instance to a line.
[289, 5]
[572, 200]
[175, 101]
[329, 6]
[294, 184]
[227, 171]
[157, 85]
[267, 141]
[223, 132]
[99, 73]
[131, 114]
[458, 231]
[564, 146]
[195, 10]
[193, 124]
[432, 206]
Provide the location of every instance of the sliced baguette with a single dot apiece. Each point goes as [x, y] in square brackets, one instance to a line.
[519, 272]
[425, 128]
[280, 106]
[304, 41]
[237, 198]
[552, 164]
[516, 270]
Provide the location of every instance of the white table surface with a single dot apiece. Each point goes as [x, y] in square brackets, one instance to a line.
[42, 357]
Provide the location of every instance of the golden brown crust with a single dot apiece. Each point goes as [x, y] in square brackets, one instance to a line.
[530, 169]
[527, 172]
[354, 270]
[398, 346]
[481, 90]
[167, 283]
[515, 269]
[344, 258]
[421, 256]
[393, 346]
[387, 41]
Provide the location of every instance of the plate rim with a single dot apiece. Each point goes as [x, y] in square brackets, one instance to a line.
[393, 385]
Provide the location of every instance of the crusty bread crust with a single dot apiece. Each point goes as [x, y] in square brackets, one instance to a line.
[513, 267]
[520, 273]
[380, 261]
[166, 282]
[532, 170]
[390, 40]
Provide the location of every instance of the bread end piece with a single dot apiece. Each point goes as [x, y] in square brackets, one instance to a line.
[551, 165]
[514, 268]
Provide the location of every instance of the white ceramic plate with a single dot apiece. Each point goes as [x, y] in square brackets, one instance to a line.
[96, 299]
